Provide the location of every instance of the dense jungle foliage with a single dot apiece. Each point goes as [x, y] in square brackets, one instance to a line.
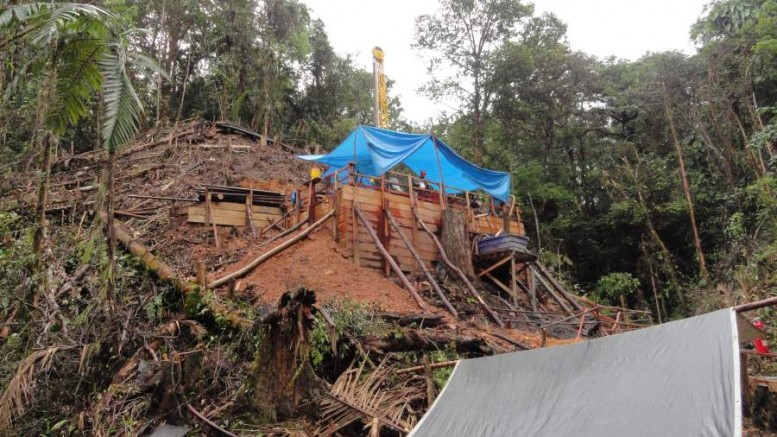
[650, 181]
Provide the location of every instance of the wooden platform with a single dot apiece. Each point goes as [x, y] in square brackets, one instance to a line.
[347, 230]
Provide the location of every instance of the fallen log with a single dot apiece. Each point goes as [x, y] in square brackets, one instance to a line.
[756, 305]
[418, 340]
[390, 259]
[516, 343]
[425, 320]
[421, 264]
[166, 273]
[460, 273]
[168, 198]
[272, 252]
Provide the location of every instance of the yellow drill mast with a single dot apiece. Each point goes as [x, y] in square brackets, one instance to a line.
[381, 96]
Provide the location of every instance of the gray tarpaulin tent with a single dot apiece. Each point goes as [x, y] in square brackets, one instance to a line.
[677, 379]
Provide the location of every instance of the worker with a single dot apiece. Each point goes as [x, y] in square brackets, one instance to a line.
[422, 182]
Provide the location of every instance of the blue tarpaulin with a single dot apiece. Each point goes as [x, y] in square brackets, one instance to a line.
[376, 151]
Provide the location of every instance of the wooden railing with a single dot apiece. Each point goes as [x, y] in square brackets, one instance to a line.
[475, 203]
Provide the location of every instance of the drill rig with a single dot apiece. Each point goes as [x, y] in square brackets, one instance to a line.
[381, 97]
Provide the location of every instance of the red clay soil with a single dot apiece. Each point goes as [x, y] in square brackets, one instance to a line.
[319, 263]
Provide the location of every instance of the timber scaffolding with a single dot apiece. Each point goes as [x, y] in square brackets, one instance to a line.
[395, 224]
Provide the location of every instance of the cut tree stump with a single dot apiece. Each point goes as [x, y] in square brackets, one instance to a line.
[455, 240]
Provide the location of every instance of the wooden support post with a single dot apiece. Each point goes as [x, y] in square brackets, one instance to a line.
[299, 206]
[431, 393]
[564, 293]
[388, 257]
[336, 228]
[506, 219]
[421, 265]
[385, 235]
[355, 232]
[513, 280]
[414, 210]
[459, 272]
[443, 199]
[210, 219]
[470, 215]
[313, 200]
[202, 276]
[561, 301]
[249, 211]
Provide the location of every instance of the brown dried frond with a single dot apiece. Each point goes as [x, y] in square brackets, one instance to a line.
[368, 400]
[285, 429]
[19, 392]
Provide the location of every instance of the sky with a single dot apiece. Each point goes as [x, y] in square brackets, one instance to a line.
[626, 29]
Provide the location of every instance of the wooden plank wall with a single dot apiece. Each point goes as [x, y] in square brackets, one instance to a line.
[370, 203]
[233, 214]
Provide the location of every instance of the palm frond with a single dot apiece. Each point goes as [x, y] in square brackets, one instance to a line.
[78, 77]
[45, 20]
[122, 105]
[370, 399]
[19, 392]
[142, 61]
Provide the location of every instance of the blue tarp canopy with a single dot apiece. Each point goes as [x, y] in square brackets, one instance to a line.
[376, 151]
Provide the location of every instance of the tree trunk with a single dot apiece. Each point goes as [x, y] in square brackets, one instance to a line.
[477, 132]
[455, 240]
[39, 237]
[686, 187]
[110, 234]
[282, 374]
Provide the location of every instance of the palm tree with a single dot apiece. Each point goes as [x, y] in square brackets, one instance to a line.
[77, 52]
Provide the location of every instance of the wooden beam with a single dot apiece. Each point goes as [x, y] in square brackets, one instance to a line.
[355, 233]
[276, 223]
[561, 301]
[208, 204]
[249, 213]
[272, 252]
[421, 264]
[496, 266]
[391, 261]
[500, 284]
[336, 227]
[558, 286]
[383, 231]
[461, 274]
[513, 280]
